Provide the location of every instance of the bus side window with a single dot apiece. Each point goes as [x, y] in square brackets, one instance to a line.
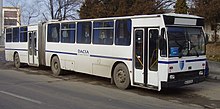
[103, 32]
[68, 33]
[53, 33]
[9, 35]
[123, 32]
[23, 34]
[164, 50]
[16, 34]
[84, 32]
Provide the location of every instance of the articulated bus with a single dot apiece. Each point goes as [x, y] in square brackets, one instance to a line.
[148, 51]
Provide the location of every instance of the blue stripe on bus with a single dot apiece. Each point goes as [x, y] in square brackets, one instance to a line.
[61, 52]
[108, 57]
[195, 60]
[16, 49]
[168, 62]
[175, 62]
[97, 56]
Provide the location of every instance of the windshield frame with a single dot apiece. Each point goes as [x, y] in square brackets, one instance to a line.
[189, 47]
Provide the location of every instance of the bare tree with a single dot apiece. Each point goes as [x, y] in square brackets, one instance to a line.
[32, 11]
[63, 9]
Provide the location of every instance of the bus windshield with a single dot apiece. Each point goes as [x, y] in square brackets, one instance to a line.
[186, 41]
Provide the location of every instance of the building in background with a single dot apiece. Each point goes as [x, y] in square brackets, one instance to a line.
[10, 16]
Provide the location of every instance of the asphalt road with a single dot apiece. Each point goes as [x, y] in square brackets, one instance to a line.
[35, 88]
[19, 90]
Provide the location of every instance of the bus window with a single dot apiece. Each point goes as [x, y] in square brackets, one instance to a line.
[103, 32]
[163, 51]
[123, 32]
[68, 33]
[153, 49]
[16, 34]
[9, 35]
[84, 32]
[53, 33]
[139, 49]
[23, 34]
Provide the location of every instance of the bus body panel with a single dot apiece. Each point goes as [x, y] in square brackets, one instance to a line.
[99, 60]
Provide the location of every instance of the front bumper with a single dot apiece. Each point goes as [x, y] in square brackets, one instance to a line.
[179, 83]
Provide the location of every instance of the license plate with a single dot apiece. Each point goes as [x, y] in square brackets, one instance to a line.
[188, 82]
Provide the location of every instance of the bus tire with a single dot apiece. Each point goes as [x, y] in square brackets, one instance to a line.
[121, 76]
[55, 66]
[17, 62]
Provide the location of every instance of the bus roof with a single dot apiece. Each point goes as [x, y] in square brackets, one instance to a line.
[132, 17]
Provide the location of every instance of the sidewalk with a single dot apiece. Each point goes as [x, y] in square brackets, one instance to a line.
[214, 70]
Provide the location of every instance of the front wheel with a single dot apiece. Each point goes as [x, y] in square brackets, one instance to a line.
[17, 62]
[55, 66]
[121, 76]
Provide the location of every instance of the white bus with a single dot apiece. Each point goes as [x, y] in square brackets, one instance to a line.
[148, 51]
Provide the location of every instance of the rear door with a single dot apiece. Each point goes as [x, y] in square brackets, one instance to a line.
[32, 48]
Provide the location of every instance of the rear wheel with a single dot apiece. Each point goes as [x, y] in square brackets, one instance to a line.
[121, 76]
[55, 66]
[17, 62]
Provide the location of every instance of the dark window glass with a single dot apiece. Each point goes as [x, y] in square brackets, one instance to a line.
[23, 34]
[123, 32]
[84, 32]
[139, 49]
[9, 35]
[10, 22]
[103, 24]
[53, 33]
[68, 33]
[163, 52]
[103, 32]
[15, 34]
[153, 49]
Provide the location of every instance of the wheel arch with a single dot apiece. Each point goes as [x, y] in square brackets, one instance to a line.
[113, 68]
[53, 55]
[14, 55]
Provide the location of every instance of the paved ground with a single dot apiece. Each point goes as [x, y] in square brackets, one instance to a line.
[35, 88]
[26, 91]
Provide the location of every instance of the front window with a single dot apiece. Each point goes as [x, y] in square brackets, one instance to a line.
[186, 41]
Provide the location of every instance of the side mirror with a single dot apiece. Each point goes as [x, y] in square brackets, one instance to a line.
[162, 42]
[206, 39]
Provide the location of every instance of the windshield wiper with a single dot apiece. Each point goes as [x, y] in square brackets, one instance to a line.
[183, 48]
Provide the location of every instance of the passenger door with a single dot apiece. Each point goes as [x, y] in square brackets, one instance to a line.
[32, 49]
[152, 56]
[139, 55]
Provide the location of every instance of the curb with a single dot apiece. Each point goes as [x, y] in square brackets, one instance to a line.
[214, 70]
[213, 76]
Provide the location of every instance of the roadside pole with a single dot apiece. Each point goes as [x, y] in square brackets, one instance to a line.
[1, 18]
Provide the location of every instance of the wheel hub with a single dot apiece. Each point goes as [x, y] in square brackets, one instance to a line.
[56, 65]
[121, 76]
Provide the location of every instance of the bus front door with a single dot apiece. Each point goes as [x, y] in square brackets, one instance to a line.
[145, 56]
[152, 56]
[32, 49]
[139, 56]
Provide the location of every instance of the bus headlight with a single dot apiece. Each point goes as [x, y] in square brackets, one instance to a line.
[172, 77]
[201, 73]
